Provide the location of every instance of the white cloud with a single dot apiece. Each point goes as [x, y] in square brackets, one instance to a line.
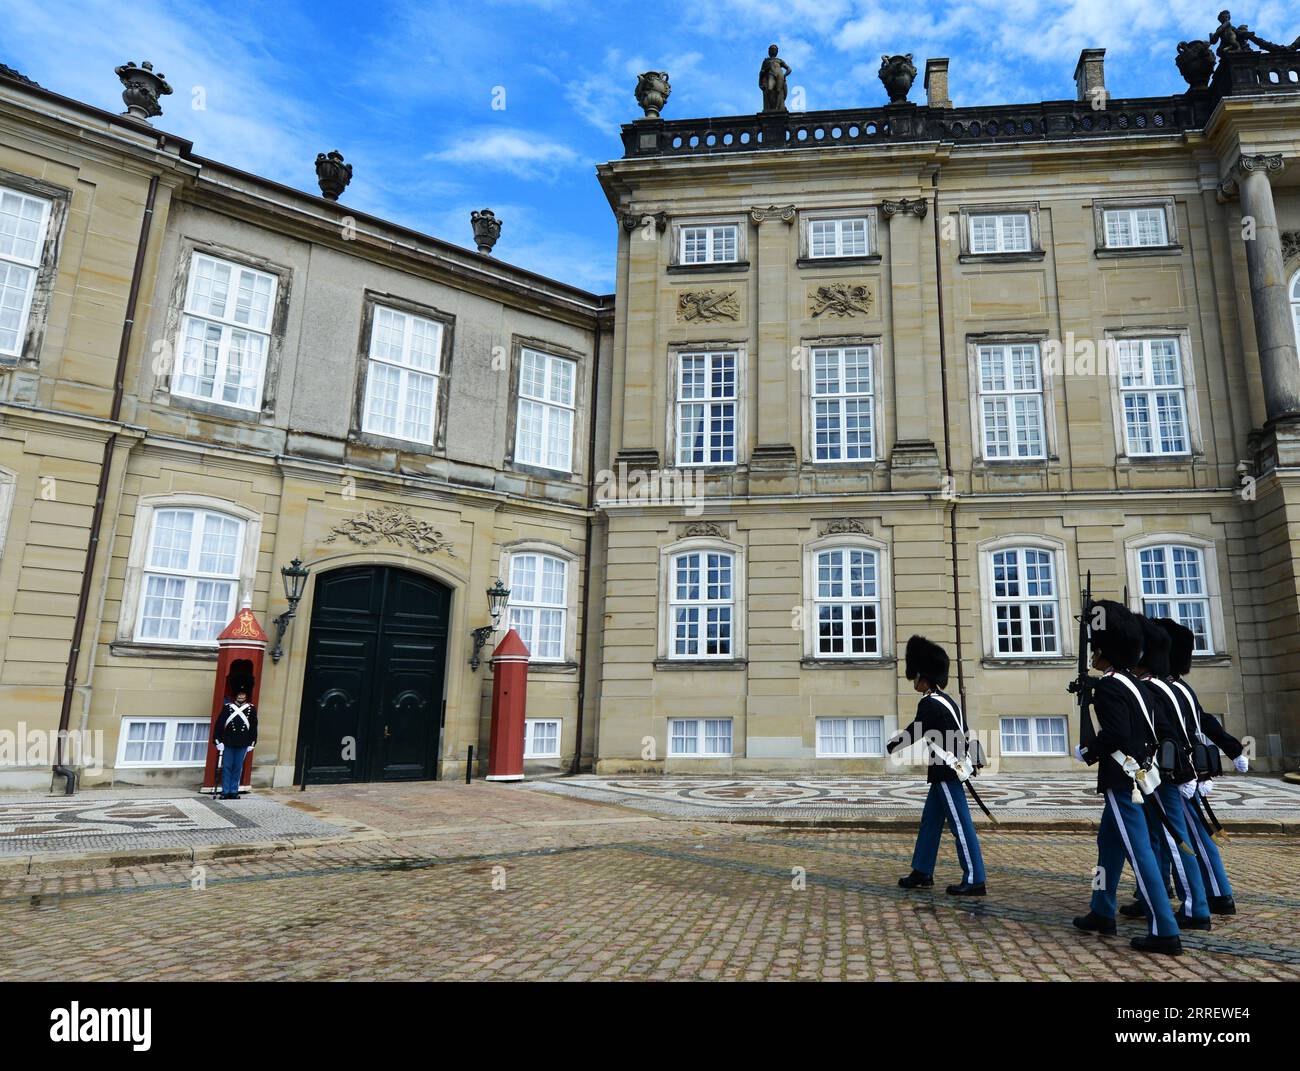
[520, 152]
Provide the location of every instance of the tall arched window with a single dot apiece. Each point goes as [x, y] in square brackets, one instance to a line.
[1295, 307]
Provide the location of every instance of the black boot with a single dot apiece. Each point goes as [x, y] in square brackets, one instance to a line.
[1164, 946]
[1134, 909]
[1094, 923]
[967, 888]
[1195, 924]
[916, 880]
[1223, 905]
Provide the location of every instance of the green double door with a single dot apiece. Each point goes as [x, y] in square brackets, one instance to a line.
[372, 692]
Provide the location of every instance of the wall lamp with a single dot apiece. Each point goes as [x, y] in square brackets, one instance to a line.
[295, 583]
[497, 596]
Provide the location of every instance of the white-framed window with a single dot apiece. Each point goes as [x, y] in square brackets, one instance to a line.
[163, 742]
[699, 737]
[706, 408]
[539, 585]
[24, 220]
[715, 243]
[850, 738]
[544, 423]
[541, 738]
[191, 576]
[1025, 598]
[840, 237]
[1000, 232]
[702, 604]
[1295, 307]
[847, 602]
[1174, 583]
[1153, 398]
[1131, 228]
[1011, 401]
[403, 370]
[843, 403]
[225, 333]
[1034, 736]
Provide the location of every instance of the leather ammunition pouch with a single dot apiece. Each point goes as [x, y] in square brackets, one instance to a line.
[1167, 759]
[1206, 759]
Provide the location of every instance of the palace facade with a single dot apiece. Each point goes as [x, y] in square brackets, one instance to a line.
[909, 368]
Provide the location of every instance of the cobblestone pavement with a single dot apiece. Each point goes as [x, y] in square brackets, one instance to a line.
[1014, 795]
[575, 895]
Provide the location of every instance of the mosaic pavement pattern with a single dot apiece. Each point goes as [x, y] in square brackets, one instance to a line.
[1020, 796]
[87, 822]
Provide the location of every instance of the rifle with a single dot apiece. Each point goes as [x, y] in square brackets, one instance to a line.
[1081, 686]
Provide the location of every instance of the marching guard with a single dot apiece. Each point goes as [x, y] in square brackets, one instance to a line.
[938, 718]
[1122, 749]
[1167, 821]
[1207, 736]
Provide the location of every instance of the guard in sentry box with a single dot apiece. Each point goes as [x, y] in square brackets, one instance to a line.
[1171, 841]
[1208, 736]
[1121, 750]
[941, 724]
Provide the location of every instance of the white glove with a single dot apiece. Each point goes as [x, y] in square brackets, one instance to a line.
[1188, 788]
[1241, 764]
[1207, 787]
[1078, 753]
[220, 746]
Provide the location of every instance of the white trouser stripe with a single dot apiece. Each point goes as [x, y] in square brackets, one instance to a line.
[961, 833]
[1194, 824]
[1132, 859]
[1176, 854]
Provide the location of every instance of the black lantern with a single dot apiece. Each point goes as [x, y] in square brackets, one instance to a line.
[295, 583]
[497, 596]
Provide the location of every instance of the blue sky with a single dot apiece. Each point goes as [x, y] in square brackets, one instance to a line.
[406, 89]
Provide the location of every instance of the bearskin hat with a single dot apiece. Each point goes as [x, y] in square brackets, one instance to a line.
[1182, 642]
[1115, 634]
[928, 660]
[1155, 647]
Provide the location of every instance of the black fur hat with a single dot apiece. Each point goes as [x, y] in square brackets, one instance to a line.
[1116, 634]
[1182, 642]
[1155, 648]
[928, 660]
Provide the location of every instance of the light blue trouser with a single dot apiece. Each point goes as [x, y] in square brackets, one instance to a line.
[1207, 853]
[947, 801]
[1186, 869]
[1124, 835]
[232, 766]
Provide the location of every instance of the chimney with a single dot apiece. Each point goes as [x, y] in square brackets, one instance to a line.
[1090, 75]
[936, 83]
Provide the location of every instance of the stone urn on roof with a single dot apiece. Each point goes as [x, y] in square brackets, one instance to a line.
[141, 88]
[897, 73]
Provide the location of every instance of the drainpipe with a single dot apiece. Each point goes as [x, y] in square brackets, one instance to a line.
[575, 768]
[947, 445]
[101, 493]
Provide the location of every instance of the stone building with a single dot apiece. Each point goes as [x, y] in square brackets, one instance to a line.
[246, 375]
[931, 366]
[909, 368]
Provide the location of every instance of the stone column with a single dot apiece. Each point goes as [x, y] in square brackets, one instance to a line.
[775, 446]
[1270, 302]
[914, 460]
[641, 405]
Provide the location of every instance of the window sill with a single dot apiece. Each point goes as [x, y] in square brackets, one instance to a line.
[676, 664]
[541, 471]
[699, 269]
[1021, 256]
[384, 442]
[881, 662]
[1211, 661]
[551, 667]
[1027, 663]
[1014, 464]
[838, 262]
[1176, 461]
[1108, 253]
[219, 410]
[134, 649]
